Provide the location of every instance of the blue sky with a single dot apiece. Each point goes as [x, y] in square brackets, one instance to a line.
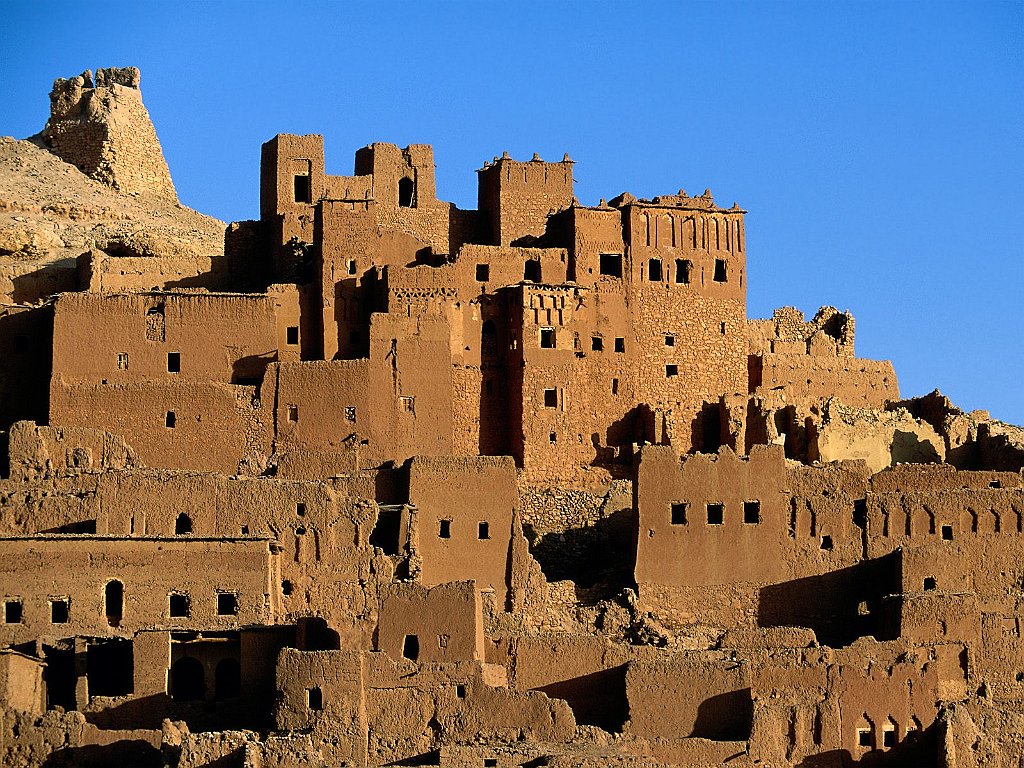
[879, 147]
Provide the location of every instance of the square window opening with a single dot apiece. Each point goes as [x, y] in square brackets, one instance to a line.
[314, 698]
[442, 641]
[721, 271]
[597, 344]
[947, 533]
[552, 438]
[178, 606]
[751, 512]
[287, 588]
[13, 611]
[59, 610]
[550, 398]
[682, 271]
[670, 341]
[610, 264]
[227, 604]
[716, 514]
[293, 413]
[826, 543]
[490, 762]
[483, 273]
[888, 738]
[863, 737]
[460, 691]
[292, 335]
[300, 509]
[671, 370]
[174, 362]
[929, 583]
[547, 338]
[352, 268]
[654, 270]
[483, 530]
[620, 344]
[531, 271]
[679, 513]
[122, 361]
[303, 189]
[444, 529]
[170, 420]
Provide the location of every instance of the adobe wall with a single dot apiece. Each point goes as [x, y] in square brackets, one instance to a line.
[38, 570]
[25, 336]
[476, 498]
[105, 130]
[445, 622]
[517, 197]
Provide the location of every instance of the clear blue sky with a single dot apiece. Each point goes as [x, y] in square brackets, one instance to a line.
[879, 147]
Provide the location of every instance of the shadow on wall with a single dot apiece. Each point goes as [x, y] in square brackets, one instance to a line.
[427, 758]
[251, 369]
[136, 753]
[839, 606]
[725, 717]
[596, 699]
[915, 751]
[599, 559]
[908, 448]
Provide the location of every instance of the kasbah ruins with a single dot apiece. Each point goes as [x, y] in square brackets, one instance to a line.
[378, 481]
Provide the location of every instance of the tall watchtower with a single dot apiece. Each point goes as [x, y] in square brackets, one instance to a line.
[516, 198]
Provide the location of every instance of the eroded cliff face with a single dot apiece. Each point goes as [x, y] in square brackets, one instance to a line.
[376, 481]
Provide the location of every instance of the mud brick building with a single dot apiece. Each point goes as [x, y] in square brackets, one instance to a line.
[388, 482]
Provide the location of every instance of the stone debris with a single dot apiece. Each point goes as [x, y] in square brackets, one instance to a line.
[378, 481]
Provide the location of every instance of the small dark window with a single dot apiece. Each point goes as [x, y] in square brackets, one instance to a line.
[122, 361]
[671, 370]
[615, 386]
[174, 362]
[552, 438]
[300, 531]
[752, 512]
[300, 509]
[303, 190]
[292, 335]
[406, 188]
[178, 606]
[863, 738]
[351, 266]
[611, 264]
[411, 647]
[929, 583]
[483, 530]
[670, 341]
[995, 484]
[227, 604]
[682, 271]
[314, 699]
[483, 273]
[550, 398]
[888, 738]
[722, 328]
[490, 762]
[716, 514]
[654, 270]
[720, 271]
[444, 529]
[947, 533]
[547, 338]
[170, 420]
[679, 513]
[113, 602]
[245, 530]
[286, 587]
[532, 271]
[12, 612]
[59, 611]
[620, 344]
[183, 524]
[597, 344]
[460, 691]
[293, 413]
[826, 543]
[350, 413]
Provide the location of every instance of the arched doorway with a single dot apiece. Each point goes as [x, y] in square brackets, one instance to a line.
[188, 680]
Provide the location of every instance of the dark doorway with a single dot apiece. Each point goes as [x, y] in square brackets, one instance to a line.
[188, 680]
[406, 193]
[227, 679]
[110, 667]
